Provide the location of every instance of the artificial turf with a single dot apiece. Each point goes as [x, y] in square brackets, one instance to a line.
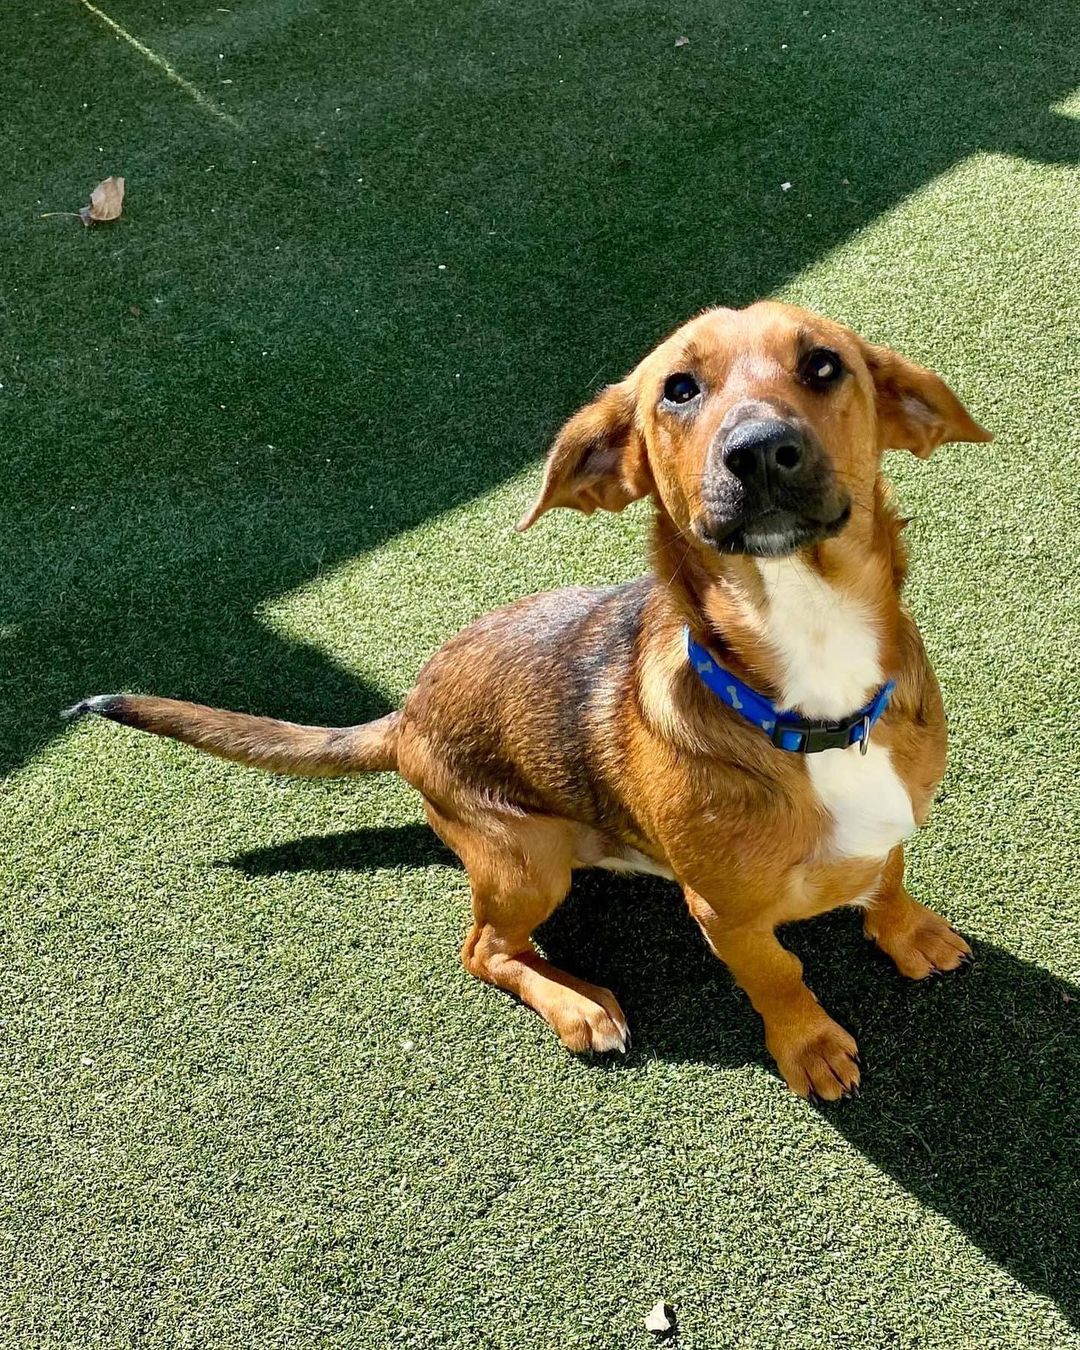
[264, 439]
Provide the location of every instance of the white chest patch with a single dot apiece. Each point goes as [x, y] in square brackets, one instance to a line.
[869, 806]
[830, 665]
[825, 641]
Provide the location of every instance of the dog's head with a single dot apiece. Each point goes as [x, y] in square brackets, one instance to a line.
[760, 430]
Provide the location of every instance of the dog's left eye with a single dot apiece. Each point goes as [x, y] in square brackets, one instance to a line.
[821, 367]
[680, 388]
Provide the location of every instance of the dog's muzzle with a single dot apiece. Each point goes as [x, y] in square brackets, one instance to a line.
[768, 488]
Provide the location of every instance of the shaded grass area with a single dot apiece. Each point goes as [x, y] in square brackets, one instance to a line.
[264, 441]
[262, 370]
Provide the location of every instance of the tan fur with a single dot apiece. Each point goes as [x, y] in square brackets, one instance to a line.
[261, 742]
[568, 729]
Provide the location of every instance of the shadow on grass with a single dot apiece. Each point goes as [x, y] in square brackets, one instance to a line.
[262, 371]
[969, 1081]
[393, 846]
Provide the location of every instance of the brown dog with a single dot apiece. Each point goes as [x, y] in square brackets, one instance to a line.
[636, 727]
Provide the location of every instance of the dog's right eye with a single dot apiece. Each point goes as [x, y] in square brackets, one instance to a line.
[680, 388]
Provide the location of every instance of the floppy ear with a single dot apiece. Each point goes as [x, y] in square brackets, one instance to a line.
[916, 409]
[598, 459]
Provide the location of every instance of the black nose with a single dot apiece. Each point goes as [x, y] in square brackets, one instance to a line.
[763, 450]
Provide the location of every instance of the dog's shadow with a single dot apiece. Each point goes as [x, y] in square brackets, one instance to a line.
[969, 1080]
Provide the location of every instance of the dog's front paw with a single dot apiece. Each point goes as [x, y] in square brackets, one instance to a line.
[590, 1023]
[817, 1058]
[921, 944]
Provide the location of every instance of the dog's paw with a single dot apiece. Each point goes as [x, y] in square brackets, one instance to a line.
[923, 946]
[594, 1023]
[819, 1059]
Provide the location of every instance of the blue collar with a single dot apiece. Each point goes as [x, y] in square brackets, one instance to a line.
[786, 730]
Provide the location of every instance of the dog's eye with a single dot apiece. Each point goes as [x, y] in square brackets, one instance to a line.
[821, 367]
[680, 388]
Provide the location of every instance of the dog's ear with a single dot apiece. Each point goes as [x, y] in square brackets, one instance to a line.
[598, 459]
[916, 409]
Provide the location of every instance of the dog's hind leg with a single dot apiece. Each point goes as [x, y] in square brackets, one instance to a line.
[519, 871]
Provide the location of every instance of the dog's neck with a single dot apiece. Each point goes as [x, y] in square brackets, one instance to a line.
[816, 631]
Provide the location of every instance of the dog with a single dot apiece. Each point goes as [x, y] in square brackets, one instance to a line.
[755, 719]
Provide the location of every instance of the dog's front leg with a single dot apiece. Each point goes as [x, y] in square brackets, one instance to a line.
[815, 1055]
[919, 942]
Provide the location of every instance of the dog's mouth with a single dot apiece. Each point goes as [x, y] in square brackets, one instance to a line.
[773, 533]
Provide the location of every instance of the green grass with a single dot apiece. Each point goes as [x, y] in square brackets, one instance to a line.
[261, 450]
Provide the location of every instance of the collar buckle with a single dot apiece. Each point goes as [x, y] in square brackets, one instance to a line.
[810, 740]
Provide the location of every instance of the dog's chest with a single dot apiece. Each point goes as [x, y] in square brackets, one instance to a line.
[868, 805]
[830, 664]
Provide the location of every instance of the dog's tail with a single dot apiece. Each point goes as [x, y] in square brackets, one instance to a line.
[263, 742]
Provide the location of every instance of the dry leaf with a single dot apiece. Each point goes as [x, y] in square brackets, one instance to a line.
[682, 42]
[106, 201]
[661, 1319]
